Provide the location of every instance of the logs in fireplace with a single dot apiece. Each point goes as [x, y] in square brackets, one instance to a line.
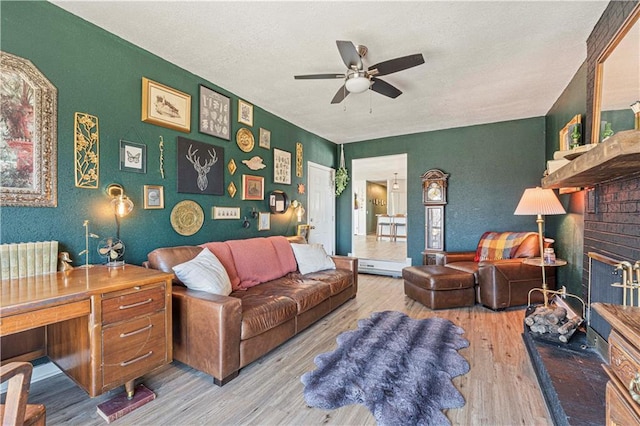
[552, 322]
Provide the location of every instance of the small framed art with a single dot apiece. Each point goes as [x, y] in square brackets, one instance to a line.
[245, 113]
[264, 221]
[265, 138]
[303, 231]
[226, 212]
[153, 197]
[165, 106]
[281, 166]
[133, 157]
[215, 114]
[252, 187]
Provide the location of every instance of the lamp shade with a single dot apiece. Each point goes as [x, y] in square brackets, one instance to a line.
[539, 201]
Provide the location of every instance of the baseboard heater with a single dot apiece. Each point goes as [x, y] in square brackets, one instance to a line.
[382, 267]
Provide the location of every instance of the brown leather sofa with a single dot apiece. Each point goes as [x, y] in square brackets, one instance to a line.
[221, 334]
[503, 283]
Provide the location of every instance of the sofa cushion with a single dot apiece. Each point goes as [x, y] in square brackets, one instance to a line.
[204, 273]
[257, 260]
[261, 312]
[311, 258]
[222, 251]
[306, 293]
[499, 245]
[338, 279]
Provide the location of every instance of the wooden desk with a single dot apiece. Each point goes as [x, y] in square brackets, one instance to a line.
[105, 326]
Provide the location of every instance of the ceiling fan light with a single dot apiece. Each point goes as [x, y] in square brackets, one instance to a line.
[357, 84]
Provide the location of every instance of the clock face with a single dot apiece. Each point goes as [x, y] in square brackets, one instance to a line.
[434, 193]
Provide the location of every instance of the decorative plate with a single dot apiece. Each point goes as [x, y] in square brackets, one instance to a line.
[245, 140]
[187, 217]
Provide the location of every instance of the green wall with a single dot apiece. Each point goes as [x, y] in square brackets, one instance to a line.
[490, 165]
[100, 74]
[568, 230]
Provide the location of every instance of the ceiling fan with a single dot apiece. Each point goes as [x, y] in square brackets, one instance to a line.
[357, 79]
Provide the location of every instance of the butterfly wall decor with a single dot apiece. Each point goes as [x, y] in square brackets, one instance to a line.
[133, 157]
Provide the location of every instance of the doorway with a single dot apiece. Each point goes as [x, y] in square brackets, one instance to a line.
[379, 202]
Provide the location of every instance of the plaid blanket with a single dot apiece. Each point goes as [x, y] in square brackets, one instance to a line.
[499, 245]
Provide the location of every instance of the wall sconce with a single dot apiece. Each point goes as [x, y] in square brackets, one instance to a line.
[635, 107]
[298, 209]
[395, 185]
[254, 213]
[121, 204]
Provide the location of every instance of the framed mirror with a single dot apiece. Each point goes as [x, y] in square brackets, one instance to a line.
[617, 85]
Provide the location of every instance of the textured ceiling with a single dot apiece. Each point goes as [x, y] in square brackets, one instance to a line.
[485, 61]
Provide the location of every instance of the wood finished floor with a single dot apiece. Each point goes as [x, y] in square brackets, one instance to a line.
[368, 247]
[500, 388]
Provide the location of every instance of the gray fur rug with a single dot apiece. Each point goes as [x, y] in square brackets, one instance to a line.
[398, 367]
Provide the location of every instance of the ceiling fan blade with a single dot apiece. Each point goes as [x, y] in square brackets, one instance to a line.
[397, 64]
[317, 76]
[349, 54]
[340, 95]
[385, 88]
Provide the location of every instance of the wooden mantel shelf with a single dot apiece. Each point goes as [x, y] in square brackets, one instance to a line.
[617, 157]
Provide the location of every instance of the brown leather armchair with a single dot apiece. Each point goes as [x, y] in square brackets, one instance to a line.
[503, 283]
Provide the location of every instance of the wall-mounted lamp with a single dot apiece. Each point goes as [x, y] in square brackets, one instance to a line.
[254, 213]
[395, 185]
[298, 209]
[635, 107]
[120, 203]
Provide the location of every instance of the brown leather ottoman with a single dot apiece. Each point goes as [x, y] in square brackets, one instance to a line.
[439, 287]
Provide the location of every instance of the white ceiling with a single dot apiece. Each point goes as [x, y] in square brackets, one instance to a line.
[485, 61]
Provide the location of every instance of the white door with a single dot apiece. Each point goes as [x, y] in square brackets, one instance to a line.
[321, 209]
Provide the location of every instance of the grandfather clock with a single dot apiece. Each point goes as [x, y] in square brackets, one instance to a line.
[434, 198]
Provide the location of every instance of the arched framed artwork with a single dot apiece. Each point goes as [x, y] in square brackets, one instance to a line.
[28, 119]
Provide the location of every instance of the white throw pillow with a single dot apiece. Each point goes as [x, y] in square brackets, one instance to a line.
[205, 273]
[312, 258]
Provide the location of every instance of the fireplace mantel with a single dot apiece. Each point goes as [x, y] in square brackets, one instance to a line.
[617, 157]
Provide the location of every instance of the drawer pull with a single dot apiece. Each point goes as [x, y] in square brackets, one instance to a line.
[140, 330]
[134, 305]
[634, 388]
[134, 360]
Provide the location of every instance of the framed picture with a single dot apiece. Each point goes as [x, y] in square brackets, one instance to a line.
[303, 231]
[252, 187]
[153, 197]
[567, 131]
[281, 166]
[264, 221]
[245, 113]
[28, 176]
[215, 114]
[133, 157]
[166, 107]
[200, 167]
[265, 138]
[226, 213]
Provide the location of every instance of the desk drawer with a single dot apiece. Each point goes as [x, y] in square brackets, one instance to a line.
[139, 301]
[127, 339]
[618, 410]
[624, 359]
[130, 363]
